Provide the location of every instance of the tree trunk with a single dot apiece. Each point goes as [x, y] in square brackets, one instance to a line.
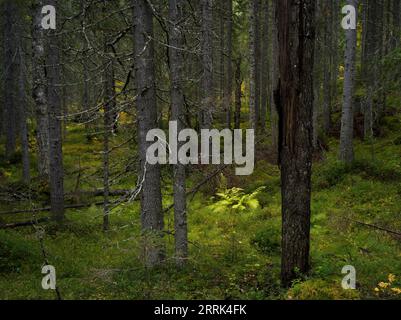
[347, 120]
[396, 24]
[373, 56]
[295, 100]
[39, 90]
[327, 49]
[207, 107]
[228, 88]
[151, 199]
[56, 174]
[109, 106]
[274, 77]
[254, 77]
[238, 94]
[86, 74]
[9, 64]
[176, 36]
[264, 64]
[335, 57]
[23, 117]
[317, 74]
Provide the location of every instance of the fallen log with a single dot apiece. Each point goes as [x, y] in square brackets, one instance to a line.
[46, 209]
[98, 193]
[24, 223]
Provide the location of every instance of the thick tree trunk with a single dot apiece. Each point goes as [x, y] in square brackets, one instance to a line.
[347, 120]
[151, 199]
[207, 92]
[295, 100]
[56, 174]
[39, 90]
[176, 11]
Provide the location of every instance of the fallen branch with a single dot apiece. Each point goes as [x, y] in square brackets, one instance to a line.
[73, 206]
[375, 227]
[23, 224]
[98, 193]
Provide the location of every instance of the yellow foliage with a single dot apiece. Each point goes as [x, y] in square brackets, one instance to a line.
[387, 289]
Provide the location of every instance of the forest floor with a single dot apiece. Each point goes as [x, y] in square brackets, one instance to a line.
[233, 254]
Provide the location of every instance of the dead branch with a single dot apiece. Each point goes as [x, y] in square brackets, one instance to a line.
[375, 227]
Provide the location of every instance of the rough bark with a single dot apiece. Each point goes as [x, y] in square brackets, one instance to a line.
[39, 90]
[228, 87]
[207, 107]
[109, 106]
[238, 94]
[373, 54]
[347, 119]
[317, 75]
[295, 101]
[254, 77]
[274, 77]
[56, 172]
[86, 73]
[396, 11]
[327, 49]
[264, 60]
[176, 37]
[23, 107]
[149, 175]
[335, 56]
[9, 77]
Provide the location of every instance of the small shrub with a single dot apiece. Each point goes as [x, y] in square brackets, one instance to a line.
[15, 252]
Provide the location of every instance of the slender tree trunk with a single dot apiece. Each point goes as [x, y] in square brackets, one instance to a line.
[396, 10]
[228, 88]
[23, 117]
[56, 174]
[274, 77]
[254, 78]
[347, 120]
[176, 11]
[86, 73]
[238, 94]
[151, 199]
[109, 106]
[39, 90]
[335, 57]
[207, 107]
[264, 64]
[221, 13]
[295, 101]
[327, 49]
[317, 75]
[373, 56]
[9, 64]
